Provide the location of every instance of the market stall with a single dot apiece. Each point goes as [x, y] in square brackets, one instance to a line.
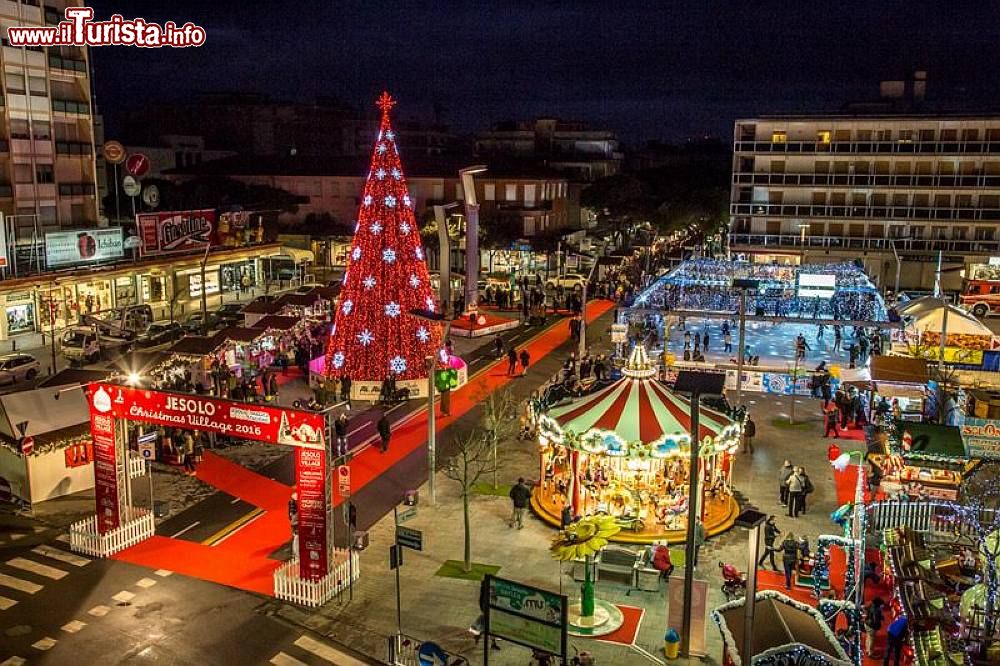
[924, 461]
[624, 451]
[901, 380]
[926, 319]
[785, 632]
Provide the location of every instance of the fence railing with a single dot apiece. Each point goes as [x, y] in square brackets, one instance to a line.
[136, 525]
[290, 586]
[925, 517]
[136, 466]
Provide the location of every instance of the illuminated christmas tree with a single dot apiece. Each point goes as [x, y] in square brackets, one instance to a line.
[374, 334]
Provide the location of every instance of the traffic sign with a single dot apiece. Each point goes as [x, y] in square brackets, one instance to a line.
[147, 446]
[130, 185]
[409, 538]
[395, 558]
[27, 445]
[151, 196]
[137, 164]
[114, 152]
[344, 479]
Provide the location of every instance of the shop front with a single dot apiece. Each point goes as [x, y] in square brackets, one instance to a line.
[237, 275]
[20, 315]
[921, 461]
[92, 296]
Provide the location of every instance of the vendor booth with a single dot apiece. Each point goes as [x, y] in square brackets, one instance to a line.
[924, 461]
[926, 319]
[624, 451]
[785, 631]
[903, 380]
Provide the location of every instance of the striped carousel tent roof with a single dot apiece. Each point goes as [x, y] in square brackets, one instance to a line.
[637, 410]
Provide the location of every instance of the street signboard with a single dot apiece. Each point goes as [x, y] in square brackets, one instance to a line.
[130, 186]
[395, 557]
[147, 446]
[176, 231]
[27, 445]
[344, 480]
[83, 246]
[114, 152]
[151, 196]
[527, 615]
[132, 243]
[137, 165]
[409, 538]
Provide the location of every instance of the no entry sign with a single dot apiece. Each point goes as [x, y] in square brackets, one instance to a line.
[344, 480]
[137, 165]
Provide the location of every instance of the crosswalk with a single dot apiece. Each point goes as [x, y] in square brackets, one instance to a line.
[307, 651]
[28, 573]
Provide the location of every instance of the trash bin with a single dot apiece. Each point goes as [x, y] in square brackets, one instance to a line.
[671, 644]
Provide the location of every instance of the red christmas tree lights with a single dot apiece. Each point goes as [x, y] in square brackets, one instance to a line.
[374, 334]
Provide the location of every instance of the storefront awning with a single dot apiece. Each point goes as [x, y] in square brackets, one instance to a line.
[298, 255]
[930, 440]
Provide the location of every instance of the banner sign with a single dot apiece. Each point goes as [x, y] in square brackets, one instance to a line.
[311, 485]
[83, 246]
[526, 615]
[168, 232]
[781, 383]
[238, 419]
[102, 431]
[981, 438]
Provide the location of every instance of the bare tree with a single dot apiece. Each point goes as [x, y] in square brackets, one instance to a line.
[499, 421]
[473, 459]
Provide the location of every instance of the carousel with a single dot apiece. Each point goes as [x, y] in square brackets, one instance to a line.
[624, 451]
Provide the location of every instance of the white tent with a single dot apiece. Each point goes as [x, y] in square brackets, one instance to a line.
[959, 322]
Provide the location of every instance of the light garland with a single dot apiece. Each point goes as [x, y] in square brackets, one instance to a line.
[374, 335]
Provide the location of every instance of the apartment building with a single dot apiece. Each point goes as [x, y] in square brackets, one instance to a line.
[47, 167]
[522, 197]
[892, 190]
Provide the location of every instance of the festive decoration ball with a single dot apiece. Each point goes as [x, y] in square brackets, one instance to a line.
[481, 321]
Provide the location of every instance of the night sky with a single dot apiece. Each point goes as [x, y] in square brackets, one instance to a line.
[665, 70]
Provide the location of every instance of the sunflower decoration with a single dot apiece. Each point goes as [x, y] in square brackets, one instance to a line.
[584, 538]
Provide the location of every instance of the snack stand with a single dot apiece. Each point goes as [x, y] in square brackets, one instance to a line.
[624, 451]
[924, 461]
[902, 379]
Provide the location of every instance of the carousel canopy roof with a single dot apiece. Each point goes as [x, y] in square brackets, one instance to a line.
[637, 410]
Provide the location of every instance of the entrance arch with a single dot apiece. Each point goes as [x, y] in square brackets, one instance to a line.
[312, 576]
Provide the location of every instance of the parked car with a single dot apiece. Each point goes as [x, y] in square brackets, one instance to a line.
[18, 367]
[159, 334]
[264, 298]
[194, 322]
[566, 281]
[231, 314]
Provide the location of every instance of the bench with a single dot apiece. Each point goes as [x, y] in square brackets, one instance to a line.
[619, 560]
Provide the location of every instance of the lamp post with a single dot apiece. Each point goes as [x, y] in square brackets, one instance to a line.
[752, 520]
[583, 312]
[466, 175]
[743, 285]
[444, 256]
[803, 228]
[431, 430]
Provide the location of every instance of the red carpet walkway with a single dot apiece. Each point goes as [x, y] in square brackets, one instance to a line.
[242, 559]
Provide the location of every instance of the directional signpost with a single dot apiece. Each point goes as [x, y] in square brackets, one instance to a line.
[409, 538]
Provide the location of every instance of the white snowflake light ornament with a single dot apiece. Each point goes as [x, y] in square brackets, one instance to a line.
[388, 255]
[397, 364]
[392, 309]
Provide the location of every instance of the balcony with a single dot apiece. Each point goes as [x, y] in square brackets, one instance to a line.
[73, 148]
[978, 180]
[902, 245]
[67, 64]
[864, 212]
[870, 147]
[76, 189]
[70, 106]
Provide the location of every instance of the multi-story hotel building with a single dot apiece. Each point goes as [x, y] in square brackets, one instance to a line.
[47, 168]
[890, 190]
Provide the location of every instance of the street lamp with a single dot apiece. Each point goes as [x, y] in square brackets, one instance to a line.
[743, 285]
[803, 228]
[751, 520]
[466, 175]
[444, 254]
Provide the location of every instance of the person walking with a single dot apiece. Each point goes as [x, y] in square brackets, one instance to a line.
[830, 417]
[189, 461]
[699, 539]
[807, 488]
[704, 340]
[497, 345]
[384, 433]
[525, 359]
[783, 474]
[727, 338]
[874, 617]
[896, 638]
[749, 431]
[520, 495]
[837, 338]
[340, 429]
[511, 361]
[789, 557]
[771, 533]
[796, 489]
[479, 626]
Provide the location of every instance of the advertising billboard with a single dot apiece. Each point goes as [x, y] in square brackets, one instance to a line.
[102, 432]
[527, 615]
[83, 246]
[169, 232]
[812, 285]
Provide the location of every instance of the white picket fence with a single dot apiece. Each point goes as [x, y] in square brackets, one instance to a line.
[935, 519]
[136, 466]
[136, 525]
[289, 586]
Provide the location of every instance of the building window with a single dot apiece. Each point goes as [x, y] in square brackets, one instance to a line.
[779, 136]
[47, 216]
[438, 192]
[22, 174]
[44, 174]
[967, 134]
[510, 192]
[41, 130]
[37, 86]
[529, 195]
[317, 188]
[883, 135]
[15, 83]
[905, 136]
[334, 189]
[490, 192]
[19, 129]
[823, 136]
